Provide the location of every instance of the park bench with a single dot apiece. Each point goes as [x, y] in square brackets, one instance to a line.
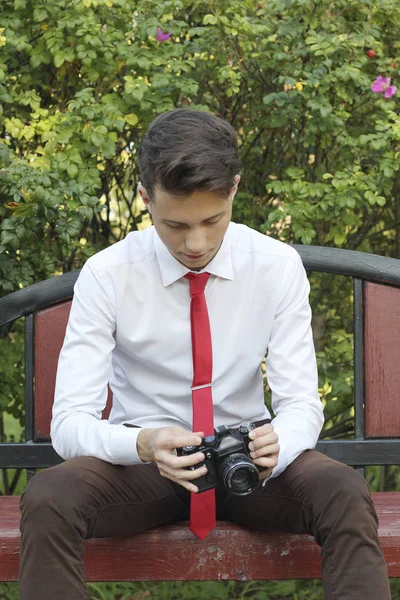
[230, 551]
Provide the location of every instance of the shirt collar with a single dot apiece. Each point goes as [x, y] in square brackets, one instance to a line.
[172, 270]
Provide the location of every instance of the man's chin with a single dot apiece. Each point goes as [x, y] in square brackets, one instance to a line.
[194, 265]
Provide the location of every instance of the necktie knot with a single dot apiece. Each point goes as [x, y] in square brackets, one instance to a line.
[197, 282]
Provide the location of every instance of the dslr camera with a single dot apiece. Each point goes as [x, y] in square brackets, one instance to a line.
[227, 458]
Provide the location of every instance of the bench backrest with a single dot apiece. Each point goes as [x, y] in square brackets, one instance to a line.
[382, 360]
[46, 308]
[49, 326]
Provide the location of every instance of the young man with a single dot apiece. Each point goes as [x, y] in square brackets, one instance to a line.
[130, 325]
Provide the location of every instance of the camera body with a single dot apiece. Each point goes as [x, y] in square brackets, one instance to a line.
[227, 458]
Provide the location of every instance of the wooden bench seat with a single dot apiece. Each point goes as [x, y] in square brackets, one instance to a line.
[173, 553]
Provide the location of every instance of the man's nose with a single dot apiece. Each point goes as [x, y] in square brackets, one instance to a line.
[195, 242]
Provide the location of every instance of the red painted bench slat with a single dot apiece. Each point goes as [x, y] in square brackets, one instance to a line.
[382, 351]
[161, 554]
[50, 326]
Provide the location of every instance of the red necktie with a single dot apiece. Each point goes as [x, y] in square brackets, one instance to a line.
[202, 505]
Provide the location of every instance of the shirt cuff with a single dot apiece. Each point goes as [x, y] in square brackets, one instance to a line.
[123, 445]
[283, 462]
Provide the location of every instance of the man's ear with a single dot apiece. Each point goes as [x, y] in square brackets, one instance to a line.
[145, 197]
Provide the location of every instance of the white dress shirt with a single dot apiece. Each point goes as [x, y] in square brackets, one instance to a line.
[130, 326]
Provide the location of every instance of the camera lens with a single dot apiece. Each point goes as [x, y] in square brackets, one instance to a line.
[238, 474]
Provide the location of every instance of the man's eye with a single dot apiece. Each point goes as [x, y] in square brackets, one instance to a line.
[174, 226]
[181, 225]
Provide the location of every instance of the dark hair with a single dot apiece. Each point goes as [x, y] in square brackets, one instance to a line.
[185, 150]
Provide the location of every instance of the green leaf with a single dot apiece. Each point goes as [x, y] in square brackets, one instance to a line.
[72, 170]
[4, 155]
[8, 224]
[137, 94]
[339, 238]
[295, 173]
[63, 137]
[59, 60]
[108, 149]
[277, 186]
[97, 139]
[36, 60]
[28, 133]
[144, 63]
[379, 143]
[50, 147]
[130, 84]
[7, 236]
[325, 110]
[210, 20]
[270, 98]
[86, 212]
[40, 14]
[370, 196]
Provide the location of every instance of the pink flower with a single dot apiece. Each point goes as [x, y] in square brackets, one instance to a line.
[382, 84]
[162, 37]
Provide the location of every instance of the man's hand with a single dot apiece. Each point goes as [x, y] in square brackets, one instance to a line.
[264, 448]
[159, 446]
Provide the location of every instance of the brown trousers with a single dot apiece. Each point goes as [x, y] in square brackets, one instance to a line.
[86, 497]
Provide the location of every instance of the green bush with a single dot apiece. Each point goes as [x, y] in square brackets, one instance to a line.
[81, 80]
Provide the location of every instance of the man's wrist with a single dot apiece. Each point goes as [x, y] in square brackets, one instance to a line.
[143, 445]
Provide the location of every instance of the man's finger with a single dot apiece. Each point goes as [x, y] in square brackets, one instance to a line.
[260, 431]
[191, 475]
[191, 487]
[180, 475]
[180, 462]
[265, 450]
[269, 462]
[265, 440]
[180, 439]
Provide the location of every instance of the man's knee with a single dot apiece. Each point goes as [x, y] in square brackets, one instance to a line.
[346, 484]
[343, 495]
[331, 484]
[53, 494]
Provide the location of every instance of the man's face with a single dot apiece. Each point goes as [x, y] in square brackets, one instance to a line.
[193, 227]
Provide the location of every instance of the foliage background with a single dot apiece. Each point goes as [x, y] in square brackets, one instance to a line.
[80, 80]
